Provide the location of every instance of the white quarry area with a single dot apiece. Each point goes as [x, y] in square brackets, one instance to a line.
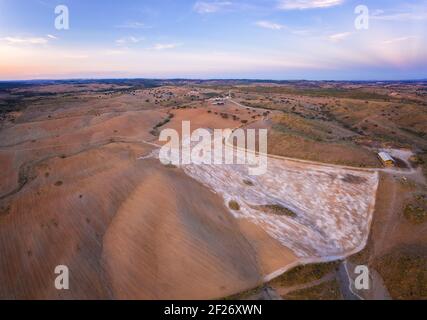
[333, 205]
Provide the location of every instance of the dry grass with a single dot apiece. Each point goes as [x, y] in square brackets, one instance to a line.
[308, 128]
[343, 153]
[304, 274]
[404, 272]
[329, 290]
[245, 294]
[416, 211]
[420, 160]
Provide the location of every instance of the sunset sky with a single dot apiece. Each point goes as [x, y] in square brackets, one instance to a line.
[264, 39]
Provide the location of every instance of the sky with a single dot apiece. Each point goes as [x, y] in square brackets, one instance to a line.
[263, 39]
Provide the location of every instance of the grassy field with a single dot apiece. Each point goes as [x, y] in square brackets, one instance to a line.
[404, 271]
[329, 290]
[304, 274]
[318, 92]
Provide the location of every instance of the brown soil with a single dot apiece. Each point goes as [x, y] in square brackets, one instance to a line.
[73, 192]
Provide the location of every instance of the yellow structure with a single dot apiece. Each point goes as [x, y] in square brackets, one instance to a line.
[386, 159]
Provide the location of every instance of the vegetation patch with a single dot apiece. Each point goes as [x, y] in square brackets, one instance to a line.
[318, 92]
[26, 174]
[305, 274]
[155, 131]
[278, 209]
[162, 123]
[4, 210]
[404, 272]
[329, 290]
[233, 205]
[350, 178]
[342, 152]
[245, 294]
[420, 160]
[248, 182]
[416, 160]
[300, 126]
[212, 94]
[416, 212]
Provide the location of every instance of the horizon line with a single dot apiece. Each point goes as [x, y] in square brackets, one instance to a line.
[213, 79]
